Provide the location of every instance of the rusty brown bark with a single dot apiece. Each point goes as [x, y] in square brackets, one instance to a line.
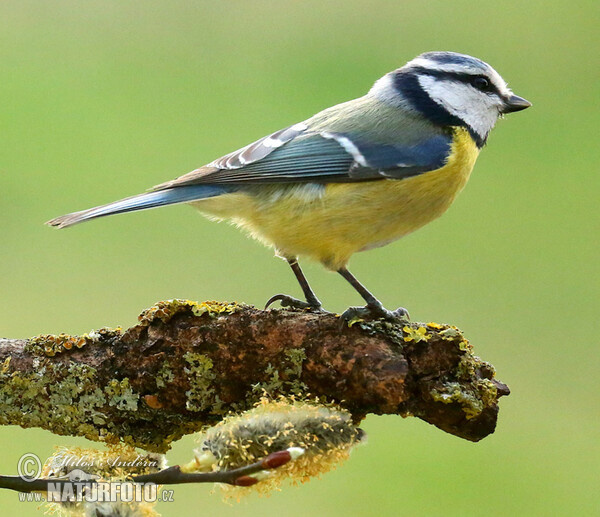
[185, 365]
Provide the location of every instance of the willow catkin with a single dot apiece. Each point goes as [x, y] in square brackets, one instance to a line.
[324, 432]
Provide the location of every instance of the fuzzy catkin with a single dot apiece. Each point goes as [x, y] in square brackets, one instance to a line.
[326, 433]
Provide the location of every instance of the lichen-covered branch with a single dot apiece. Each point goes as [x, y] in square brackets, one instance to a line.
[186, 365]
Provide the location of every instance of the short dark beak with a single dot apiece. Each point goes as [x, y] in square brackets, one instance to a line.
[515, 103]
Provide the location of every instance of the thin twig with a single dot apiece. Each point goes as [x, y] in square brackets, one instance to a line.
[241, 476]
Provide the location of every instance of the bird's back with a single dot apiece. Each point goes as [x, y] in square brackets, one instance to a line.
[331, 222]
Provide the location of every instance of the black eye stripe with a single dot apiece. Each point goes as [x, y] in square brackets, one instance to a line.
[457, 76]
[407, 83]
[481, 83]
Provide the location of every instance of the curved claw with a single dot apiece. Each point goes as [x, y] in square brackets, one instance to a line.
[292, 303]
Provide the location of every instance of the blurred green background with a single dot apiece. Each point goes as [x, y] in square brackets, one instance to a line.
[102, 99]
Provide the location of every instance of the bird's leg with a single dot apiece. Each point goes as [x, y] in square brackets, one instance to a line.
[374, 308]
[312, 302]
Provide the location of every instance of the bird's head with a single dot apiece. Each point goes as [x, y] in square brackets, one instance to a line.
[451, 89]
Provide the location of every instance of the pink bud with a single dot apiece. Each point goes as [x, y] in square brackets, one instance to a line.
[245, 481]
[276, 459]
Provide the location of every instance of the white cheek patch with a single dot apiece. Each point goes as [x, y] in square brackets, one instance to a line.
[479, 110]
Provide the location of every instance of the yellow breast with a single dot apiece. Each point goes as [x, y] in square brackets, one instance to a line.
[333, 222]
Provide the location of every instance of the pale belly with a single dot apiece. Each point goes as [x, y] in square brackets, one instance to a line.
[330, 223]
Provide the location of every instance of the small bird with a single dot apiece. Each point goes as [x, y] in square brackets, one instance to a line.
[353, 177]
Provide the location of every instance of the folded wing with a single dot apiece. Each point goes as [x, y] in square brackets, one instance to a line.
[299, 155]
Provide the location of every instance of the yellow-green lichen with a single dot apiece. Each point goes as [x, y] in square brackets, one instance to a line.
[452, 333]
[164, 375]
[435, 326]
[165, 310]
[202, 394]
[354, 321]
[416, 335]
[487, 391]
[121, 395]
[473, 398]
[289, 382]
[469, 365]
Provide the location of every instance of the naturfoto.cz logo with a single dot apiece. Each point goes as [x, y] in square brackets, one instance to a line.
[80, 486]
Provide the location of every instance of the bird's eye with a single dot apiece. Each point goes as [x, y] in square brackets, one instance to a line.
[481, 83]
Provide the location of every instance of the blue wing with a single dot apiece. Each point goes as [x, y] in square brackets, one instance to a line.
[299, 155]
[328, 148]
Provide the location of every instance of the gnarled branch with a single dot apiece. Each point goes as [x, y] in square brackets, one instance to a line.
[186, 364]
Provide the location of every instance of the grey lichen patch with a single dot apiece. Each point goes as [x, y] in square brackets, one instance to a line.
[166, 309]
[121, 395]
[49, 345]
[376, 327]
[450, 333]
[58, 397]
[202, 394]
[289, 383]
[65, 399]
[454, 392]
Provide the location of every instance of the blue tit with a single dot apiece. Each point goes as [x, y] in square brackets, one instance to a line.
[353, 177]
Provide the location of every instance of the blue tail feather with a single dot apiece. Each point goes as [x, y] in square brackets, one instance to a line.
[142, 202]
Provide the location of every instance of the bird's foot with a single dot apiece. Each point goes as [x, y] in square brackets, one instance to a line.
[375, 312]
[294, 303]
